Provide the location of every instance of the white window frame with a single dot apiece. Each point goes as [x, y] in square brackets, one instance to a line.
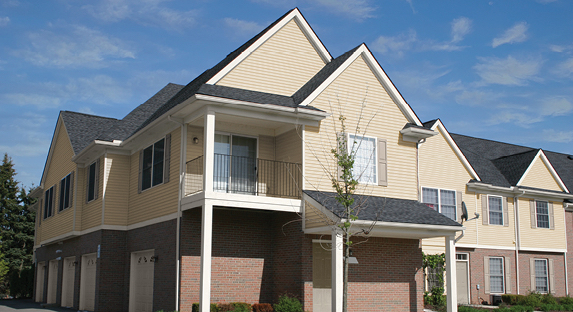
[374, 159]
[537, 215]
[546, 275]
[152, 165]
[488, 211]
[440, 199]
[502, 275]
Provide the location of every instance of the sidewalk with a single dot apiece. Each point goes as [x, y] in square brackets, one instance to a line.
[26, 305]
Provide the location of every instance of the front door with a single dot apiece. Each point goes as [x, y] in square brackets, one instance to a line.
[321, 277]
[462, 279]
[235, 164]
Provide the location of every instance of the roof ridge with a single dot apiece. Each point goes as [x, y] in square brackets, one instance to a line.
[490, 140]
[518, 154]
[88, 115]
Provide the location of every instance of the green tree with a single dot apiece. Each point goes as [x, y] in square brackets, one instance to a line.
[17, 232]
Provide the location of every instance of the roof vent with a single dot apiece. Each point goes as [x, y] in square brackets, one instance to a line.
[570, 156]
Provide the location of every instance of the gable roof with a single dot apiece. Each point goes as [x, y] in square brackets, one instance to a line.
[83, 128]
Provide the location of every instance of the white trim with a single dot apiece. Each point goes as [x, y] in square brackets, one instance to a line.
[373, 159]
[535, 249]
[546, 272]
[59, 124]
[300, 21]
[483, 188]
[440, 199]
[104, 184]
[502, 212]
[541, 154]
[438, 124]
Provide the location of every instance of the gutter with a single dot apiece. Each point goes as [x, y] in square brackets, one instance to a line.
[413, 226]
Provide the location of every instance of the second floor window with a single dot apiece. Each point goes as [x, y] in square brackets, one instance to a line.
[495, 210]
[154, 164]
[542, 216]
[364, 170]
[443, 201]
[49, 200]
[93, 181]
[66, 192]
[542, 212]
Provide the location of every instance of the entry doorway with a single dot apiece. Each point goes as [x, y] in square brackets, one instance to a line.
[235, 164]
[321, 277]
[462, 278]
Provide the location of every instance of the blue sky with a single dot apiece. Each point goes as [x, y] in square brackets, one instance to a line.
[500, 70]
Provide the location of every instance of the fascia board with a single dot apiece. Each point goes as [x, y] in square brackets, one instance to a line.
[541, 155]
[380, 75]
[411, 226]
[59, 126]
[454, 146]
[301, 22]
[331, 216]
[515, 191]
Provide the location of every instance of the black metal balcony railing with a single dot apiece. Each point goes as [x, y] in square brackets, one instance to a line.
[246, 175]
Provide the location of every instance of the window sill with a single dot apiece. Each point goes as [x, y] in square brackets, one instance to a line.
[152, 187]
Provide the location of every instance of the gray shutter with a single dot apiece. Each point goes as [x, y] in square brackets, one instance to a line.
[167, 158]
[96, 184]
[532, 274]
[486, 275]
[505, 212]
[508, 275]
[139, 181]
[87, 175]
[71, 190]
[459, 200]
[551, 276]
[40, 210]
[382, 162]
[54, 196]
[551, 220]
[532, 213]
[485, 214]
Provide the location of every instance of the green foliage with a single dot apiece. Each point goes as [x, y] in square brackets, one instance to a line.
[531, 300]
[17, 233]
[565, 300]
[435, 297]
[512, 299]
[548, 299]
[288, 304]
[213, 308]
[262, 307]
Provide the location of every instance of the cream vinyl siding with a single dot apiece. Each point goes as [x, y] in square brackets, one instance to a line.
[281, 65]
[498, 235]
[289, 147]
[60, 166]
[314, 218]
[193, 150]
[355, 86]
[266, 147]
[117, 189]
[541, 238]
[91, 212]
[159, 200]
[539, 176]
[441, 168]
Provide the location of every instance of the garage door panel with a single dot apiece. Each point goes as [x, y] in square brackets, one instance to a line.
[142, 275]
[68, 281]
[88, 282]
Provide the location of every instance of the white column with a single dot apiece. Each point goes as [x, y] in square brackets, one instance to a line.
[337, 270]
[208, 151]
[206, 243]
[452, 296]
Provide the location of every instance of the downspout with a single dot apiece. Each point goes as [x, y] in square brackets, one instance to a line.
[420, 141]
[182, 156]
[517, 236]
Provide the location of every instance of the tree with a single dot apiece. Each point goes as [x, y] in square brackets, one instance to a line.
[16, 231]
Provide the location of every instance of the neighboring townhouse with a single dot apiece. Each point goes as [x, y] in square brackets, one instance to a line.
[518, 243]
[220, 190]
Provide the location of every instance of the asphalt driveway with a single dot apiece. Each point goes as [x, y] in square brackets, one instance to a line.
[26, 305]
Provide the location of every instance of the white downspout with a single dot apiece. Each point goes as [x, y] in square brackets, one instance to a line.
[517, 236]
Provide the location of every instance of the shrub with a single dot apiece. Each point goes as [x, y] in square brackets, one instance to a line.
[226, 307]
[436, 298]
[262, 307]
[531, 300]
[195, 307]
[511, 299]
[551, 307]
[565, 300]
[241, 307]
[288, 304]
[548, 299]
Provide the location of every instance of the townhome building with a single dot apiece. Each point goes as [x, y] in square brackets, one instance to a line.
[512, 201]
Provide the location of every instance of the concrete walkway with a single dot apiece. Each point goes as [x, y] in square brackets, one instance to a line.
[26, 305]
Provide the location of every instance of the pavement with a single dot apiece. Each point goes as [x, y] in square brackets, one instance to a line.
[27, 305]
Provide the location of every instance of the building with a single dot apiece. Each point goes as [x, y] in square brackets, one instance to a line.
[221, 190]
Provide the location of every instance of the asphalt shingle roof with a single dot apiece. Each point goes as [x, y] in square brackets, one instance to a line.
[385, 209]
[83, 128]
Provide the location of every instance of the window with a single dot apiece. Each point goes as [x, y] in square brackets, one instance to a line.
[443, 201]
[495, 210]
[154, 164]
[434, 279]
[66, 185]
[93, 181]
[496, 275]
[49, 202]
[364, 170]
[542, 213]
[541, 276]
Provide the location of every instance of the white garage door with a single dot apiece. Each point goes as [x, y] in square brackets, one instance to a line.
[68, 279]
[40, 281]
[52, 281]
[141, 282]
[88, 282]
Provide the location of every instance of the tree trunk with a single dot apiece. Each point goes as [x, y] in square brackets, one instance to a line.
[345, 278]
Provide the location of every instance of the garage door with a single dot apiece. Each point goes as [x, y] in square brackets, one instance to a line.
[141, 281]
[68, 279]
[88, 282]
[41, 272]
[52, 281]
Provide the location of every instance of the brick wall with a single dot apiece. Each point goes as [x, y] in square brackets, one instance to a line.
[558, 267]
[569, 233]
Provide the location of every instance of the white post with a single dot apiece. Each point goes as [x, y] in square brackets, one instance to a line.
[208, 151]
[452, 296]
[337, 271]
[206, 243]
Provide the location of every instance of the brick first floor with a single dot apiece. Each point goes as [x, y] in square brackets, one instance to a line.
[257, 256]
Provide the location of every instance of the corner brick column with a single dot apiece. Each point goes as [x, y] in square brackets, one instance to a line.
[337, 270]
[452, 297]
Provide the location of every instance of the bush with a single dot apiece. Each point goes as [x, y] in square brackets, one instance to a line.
[288, 304]
[241, 307]
[551, 307]
[511, 299]
[262, 307]
[531, 300]
[436, 298]
[548, 299]
[565, 300]
[195, 307]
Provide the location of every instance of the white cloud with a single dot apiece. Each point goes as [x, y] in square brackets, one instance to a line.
[396, 45]
[565, 69]
[4, 21]
[545, 1]
[82, 47]
[508, 71]
[242, 28]
[10, 3]
[518, 118]
[460, 28]
[356, 9]
[41, 101]
[553, 135]
[557, 106]
[517, 33]
[411, 6]
[475, 97]
[557, 48]
[145, 12]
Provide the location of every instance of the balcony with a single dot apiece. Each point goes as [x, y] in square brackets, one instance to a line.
[246, 176]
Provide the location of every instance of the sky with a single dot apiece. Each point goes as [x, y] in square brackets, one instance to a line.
[500, 70]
